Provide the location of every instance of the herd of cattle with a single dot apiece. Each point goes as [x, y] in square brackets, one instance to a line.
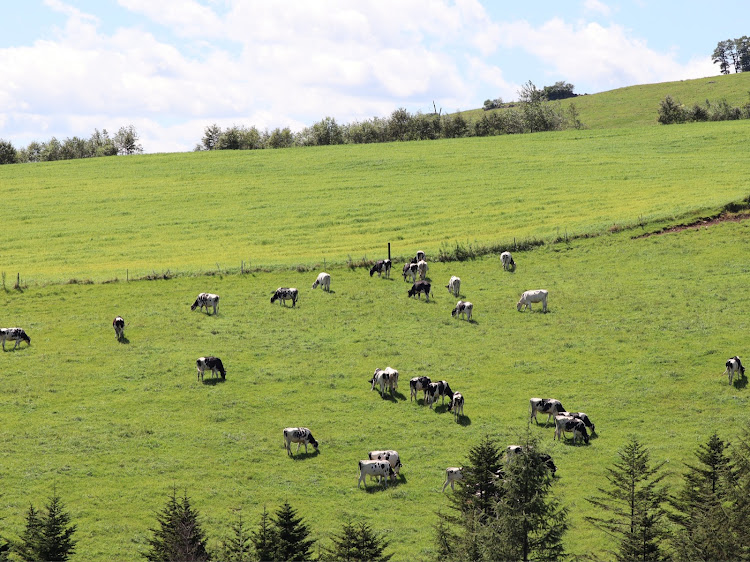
[385, 465]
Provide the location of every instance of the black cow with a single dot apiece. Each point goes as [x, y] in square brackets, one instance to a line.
[421, 287]
[14, 334]
[381, 266]
[213, 364]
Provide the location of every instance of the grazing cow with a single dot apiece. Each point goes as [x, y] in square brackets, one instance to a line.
[454, 286]
[385, 377]
[513, 450]
[538, 295]
[376, 469]
[457, 405]
[507, 260]
[410, 270]
[571, 424]
[206, 299]
[381, 266]
[284, 294]
[119, 325]
[422, 268]
[416, 384]
[421, 287]
[14, 334]
[300, 436]
[452, 475]
[213, 364]
[324, 280]
[734, 365]
[463, 308]
[436, 389]
[419, 257]
[391, 456]
[548, 406]
[583, 417]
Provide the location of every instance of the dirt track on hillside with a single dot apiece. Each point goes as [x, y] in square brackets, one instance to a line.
[700, 223]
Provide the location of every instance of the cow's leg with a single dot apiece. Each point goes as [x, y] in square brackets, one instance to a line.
[299, 444]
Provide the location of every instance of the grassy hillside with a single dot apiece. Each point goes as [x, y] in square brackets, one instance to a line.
[637, 335]
[638, 106]
[96, 219]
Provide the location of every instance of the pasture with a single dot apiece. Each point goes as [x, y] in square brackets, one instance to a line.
[636, 336]
[108, 218]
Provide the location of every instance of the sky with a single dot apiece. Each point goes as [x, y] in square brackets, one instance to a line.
[170, 68]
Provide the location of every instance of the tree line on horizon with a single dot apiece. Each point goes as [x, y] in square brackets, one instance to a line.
[504, 508]
[733, 53]
[672, 111]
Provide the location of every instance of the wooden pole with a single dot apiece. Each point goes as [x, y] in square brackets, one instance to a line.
[389, 250]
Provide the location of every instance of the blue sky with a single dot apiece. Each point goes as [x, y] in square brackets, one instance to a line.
[172, 67]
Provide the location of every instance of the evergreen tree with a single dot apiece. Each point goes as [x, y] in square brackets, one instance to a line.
[739, 504]
[264, 538]
[238, 546]
[47, 535]
[704, 528]
[291, 535]
[179, 537]
[529, 522]
[635, 503]
[357, 543]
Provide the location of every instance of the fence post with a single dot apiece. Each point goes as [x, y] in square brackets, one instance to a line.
[127, 276]
[389, 250]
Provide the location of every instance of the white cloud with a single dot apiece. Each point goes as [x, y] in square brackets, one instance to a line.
[596, 7]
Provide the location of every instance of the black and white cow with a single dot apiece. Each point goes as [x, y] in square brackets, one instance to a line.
[584, 418]
[380, 267]
[436, 390]
[391, 456]
[421, 287]
[457, 405]
[119, 325]
[452, 475]
[300, 436]
[734, 366]
[377, 469]
[416, 384]
[385, 377]
[324, 280]
[570, 424]
[513, 450]
[207, 300]
[548, 406]
[419, 257]
[410, 270]
[14, 334]
[508, 263]
[422, 268]
[463, 308]
[213, 364]
[284, 294]
[454, 286]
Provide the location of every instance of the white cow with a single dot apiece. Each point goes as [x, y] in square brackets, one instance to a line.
[385, 377]
[324, 280]
[422, 268]
[507, 260]
[420, 256]
[410, 270]
[206, 299]
[549, 406]
[538, 295]
[416, 384]
[376, 469]
[14, 334]
[463, 308]
[457, 405]
[119, 325]
[734, 365]
[298, 435]
[574, 425]
[454, 286]
[391, 456]
[452, 475]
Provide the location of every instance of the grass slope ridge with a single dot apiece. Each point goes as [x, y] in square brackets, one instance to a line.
[98, 218]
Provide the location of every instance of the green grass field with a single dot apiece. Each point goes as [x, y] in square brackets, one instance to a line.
[109, 218]
[637, 335]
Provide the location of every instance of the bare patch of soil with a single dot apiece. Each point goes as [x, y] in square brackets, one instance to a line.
[704, 222]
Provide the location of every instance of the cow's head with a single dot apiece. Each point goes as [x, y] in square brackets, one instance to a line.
[519, 305]
[196, 303]
[313, 442]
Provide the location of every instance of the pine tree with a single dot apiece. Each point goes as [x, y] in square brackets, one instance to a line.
[179, 537]
[704, 528]
[264, 538]
[357, 543]
[635, 501]
[238, 546]
[47, 535]
[529, 522]
[291, 535]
